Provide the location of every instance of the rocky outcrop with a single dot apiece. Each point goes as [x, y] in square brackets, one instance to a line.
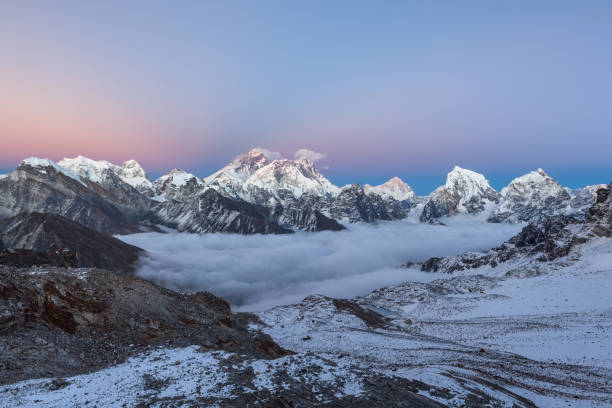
[212, 212]
[599, 217]
[64, 243]
[354, 205]
[60, 322]
[305, 219]
[546, 240]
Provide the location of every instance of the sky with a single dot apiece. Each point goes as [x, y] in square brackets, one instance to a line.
[381, 89]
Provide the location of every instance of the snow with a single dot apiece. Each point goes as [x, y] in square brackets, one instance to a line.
[241, 168]
[130, 172]
[38, 163]
[177, 178]
[559, 319]
[467, 183]
[254, 171]
[3, 176]
[298, 176]
[185, 374]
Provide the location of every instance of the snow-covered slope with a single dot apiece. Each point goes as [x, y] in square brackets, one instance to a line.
[131, 172]
[40, 164]
[465, 192]
[393, 188]
[240, 169]
[531, 197]
[298, 176]
[522, 327]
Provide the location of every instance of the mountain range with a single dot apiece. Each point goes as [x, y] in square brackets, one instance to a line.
[253, 194]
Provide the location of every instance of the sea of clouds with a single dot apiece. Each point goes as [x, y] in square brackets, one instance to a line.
[257, 272]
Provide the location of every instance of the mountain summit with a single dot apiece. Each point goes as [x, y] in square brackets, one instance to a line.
[465, 192]
[394, 188]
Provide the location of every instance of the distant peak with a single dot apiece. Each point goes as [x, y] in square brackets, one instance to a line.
[395, 187]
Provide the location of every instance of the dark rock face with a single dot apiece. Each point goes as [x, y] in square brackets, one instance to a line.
[442, 205]
[305, 213]
[35, 189]
[537, 233]
[355, 205]
[305, 219]
[55, 236]
[600, 214]
[59, 322]
[26, 257]
[213, 212]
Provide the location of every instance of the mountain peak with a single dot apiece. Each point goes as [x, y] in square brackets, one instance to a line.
[298, 176]
[39, 163]
[394, 188]
[176, 178]
[242, 167]
[131, 172]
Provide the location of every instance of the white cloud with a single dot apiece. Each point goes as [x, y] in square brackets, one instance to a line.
[257, 272]
[269, 153]
[310, 155]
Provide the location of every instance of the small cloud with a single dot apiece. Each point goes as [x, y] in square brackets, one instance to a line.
[309, 154]
[269, 153]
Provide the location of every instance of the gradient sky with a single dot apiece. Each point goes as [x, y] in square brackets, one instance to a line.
[406, 88]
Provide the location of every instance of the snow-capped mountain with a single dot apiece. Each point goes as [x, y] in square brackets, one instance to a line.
[465, 192]
[176, 182]
[531, 197]
[240, 169]
[41, 185]
[393, 188]
[132, 173]
[291, 193]
[98, 171]
[251, 176]
[298, 176]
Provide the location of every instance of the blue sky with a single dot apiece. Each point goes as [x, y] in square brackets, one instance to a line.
[382, 88]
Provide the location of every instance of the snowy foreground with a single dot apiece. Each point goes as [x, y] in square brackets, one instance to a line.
[525, 333]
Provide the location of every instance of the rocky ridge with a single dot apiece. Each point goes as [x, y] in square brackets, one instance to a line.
[291, 193]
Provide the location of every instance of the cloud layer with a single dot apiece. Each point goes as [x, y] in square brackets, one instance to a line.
[258, 272]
